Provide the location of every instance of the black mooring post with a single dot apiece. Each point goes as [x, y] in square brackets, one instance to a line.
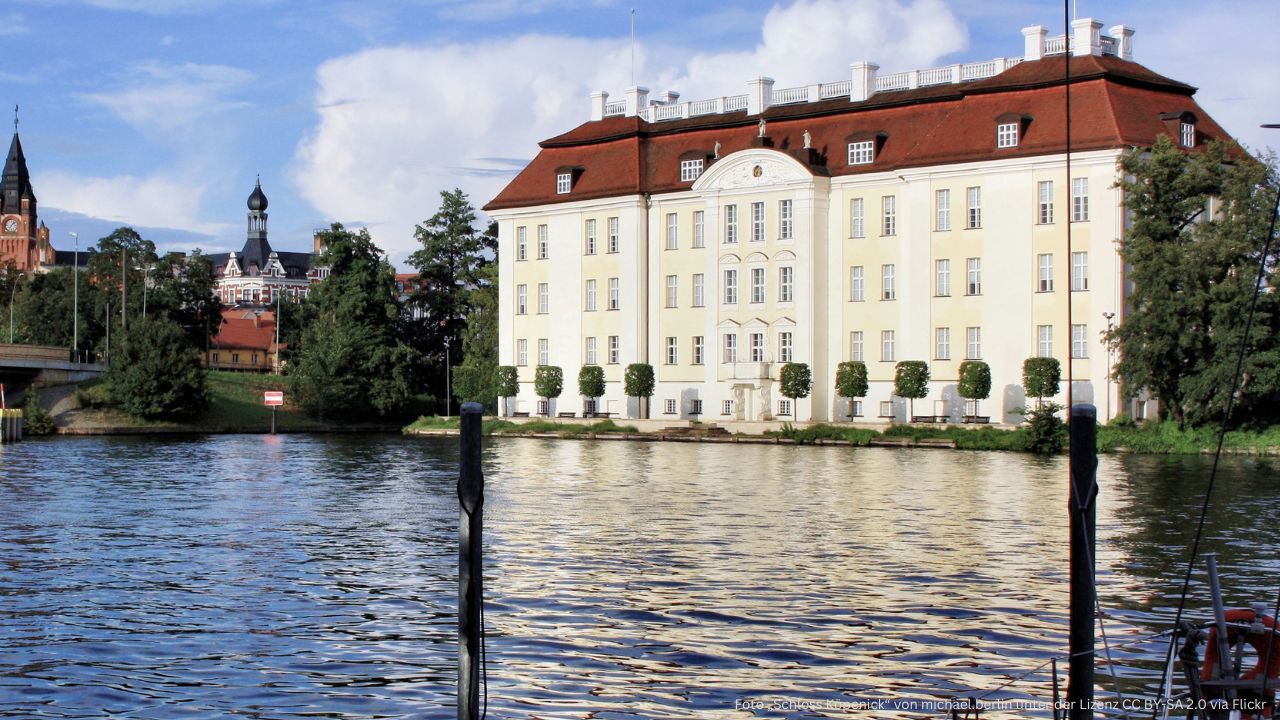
[470, 561]
[1084, 491]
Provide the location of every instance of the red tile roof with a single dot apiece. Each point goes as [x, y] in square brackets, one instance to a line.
[1114, 104]
[250, 331]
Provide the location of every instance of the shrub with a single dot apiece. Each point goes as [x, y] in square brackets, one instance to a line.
[975, 380]
[638, 380]
[1122, 420]
[911, 381]
[591, 381]
[35, 419]
[796, 380]
[508, 381]
[548, 381]
[1046, 433]
[851, 381]
[1040, 377]
[156, 373]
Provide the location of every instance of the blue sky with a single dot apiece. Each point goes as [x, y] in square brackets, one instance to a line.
[159, 113]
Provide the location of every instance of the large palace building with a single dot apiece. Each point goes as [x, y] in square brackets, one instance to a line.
[919, 215]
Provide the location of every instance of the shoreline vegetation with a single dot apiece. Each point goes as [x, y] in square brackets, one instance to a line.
[1151, 437]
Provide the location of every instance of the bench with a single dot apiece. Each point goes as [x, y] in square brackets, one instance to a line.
[928, 418]
[981, 419]
[520, 414]
[598, 415]
[567, 415]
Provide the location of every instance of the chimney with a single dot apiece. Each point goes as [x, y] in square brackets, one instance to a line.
[1123, 35]
[599, 99]
[669, 97]
[1033, 42]
[864, 80]
[317, 244]
[1086, 37]
[759, 95]
[636, 98]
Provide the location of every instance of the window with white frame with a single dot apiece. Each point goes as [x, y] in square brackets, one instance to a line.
[857, 408]
[973, 276]
[673, 291]
[887, 285]
[1079, 341]
[544, 298]
[888, 340]
[1080, 200]
[544, 352]
[786, 283]
[613, 349]
[726, 407]
[522, 352]
[856, 348]
[522, 243]
[786, 223]
[1044, 272]
[589, 355]
[591, 296]
[695, 407]
[1007, 135]
[886, 408]
[613, 235]
[564, 181]
[699, 289]
[730, 348]
[614, 300]
[784, 407]
[755, 343]
[862, 152]
[1045, 214]
[730, 224]
[1044, 340]
[542, 242]
[672, 351]
[591, 237]
[669, 407]
[889, 204]
[1079, 271]
[942, 343]
[690, 169]
[942, 210]
[697, 349]
[784, 347]
[757, 222]
[942, 278]
[699, 222]
[857, 225]
[857, 283]
[757, 285]
[973, 207]
[590, 407]
[672, 231]
[730, 287]
[973, 343]
[1187, 132]
[522, 299]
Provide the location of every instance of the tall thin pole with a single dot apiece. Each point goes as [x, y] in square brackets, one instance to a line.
[470, 562]
[13, 293]
[1083, 510]
[633, 47]
[277, 368]
[448, 389]
[124, 288]
[75, 303]
[1071, 350]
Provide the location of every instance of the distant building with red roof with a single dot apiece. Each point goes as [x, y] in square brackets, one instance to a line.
[245, 341]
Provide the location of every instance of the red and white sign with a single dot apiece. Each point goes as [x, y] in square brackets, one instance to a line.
[273, 398]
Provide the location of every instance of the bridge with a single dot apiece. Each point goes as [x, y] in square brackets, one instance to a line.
[43, 365]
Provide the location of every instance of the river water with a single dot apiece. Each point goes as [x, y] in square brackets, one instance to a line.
[315, 576]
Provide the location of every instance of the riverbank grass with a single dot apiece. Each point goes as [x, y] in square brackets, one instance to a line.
[498, 426]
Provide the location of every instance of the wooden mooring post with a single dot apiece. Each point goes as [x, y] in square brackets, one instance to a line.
[470, 562]
[1083, 508]
[10, 425]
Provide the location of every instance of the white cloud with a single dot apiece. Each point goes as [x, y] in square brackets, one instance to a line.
[398, 125]
[174, 104]
[13, 23]
[158, 200]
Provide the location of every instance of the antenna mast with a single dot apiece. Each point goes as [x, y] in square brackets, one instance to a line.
[633, 47]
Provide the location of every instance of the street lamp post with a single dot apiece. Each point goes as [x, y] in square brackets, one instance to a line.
[146, 285]
[124, 288]
[448, 391]
[1110, 316]
[13, 294]
[75, 303]
[277, 367]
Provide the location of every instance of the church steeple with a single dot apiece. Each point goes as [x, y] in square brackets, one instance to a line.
[16, 183]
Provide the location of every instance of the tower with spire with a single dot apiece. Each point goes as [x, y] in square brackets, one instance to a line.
[24, 240]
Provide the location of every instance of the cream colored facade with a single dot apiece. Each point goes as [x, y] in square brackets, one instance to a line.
[663, 256]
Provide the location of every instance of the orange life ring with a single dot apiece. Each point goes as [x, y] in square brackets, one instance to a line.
[1257, 640]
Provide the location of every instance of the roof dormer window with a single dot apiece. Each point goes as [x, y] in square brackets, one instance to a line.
[1007, 135]
[862, 152]
[564, 182]
[691, 169]
[1187, 132]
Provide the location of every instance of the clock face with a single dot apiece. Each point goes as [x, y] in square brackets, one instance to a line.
[11, 225]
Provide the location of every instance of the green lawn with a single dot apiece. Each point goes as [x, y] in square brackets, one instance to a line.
[497, 426]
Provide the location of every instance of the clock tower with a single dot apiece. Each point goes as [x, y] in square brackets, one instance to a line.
[23, 238]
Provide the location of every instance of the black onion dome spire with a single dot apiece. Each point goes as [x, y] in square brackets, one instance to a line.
[257, 199]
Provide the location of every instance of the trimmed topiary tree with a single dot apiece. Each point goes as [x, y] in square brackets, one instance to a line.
[911, 381]
[590, 384]
[975, 382]
[548, 382]
[796, 381]
[1040, 377]
[508, 384]
[638, 383]
[851, 381]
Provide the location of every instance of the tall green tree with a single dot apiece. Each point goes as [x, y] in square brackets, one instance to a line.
[476, 378]
[155, 372]
[118, 267]
[1192, 248]
[353, 358]
[182, 287]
